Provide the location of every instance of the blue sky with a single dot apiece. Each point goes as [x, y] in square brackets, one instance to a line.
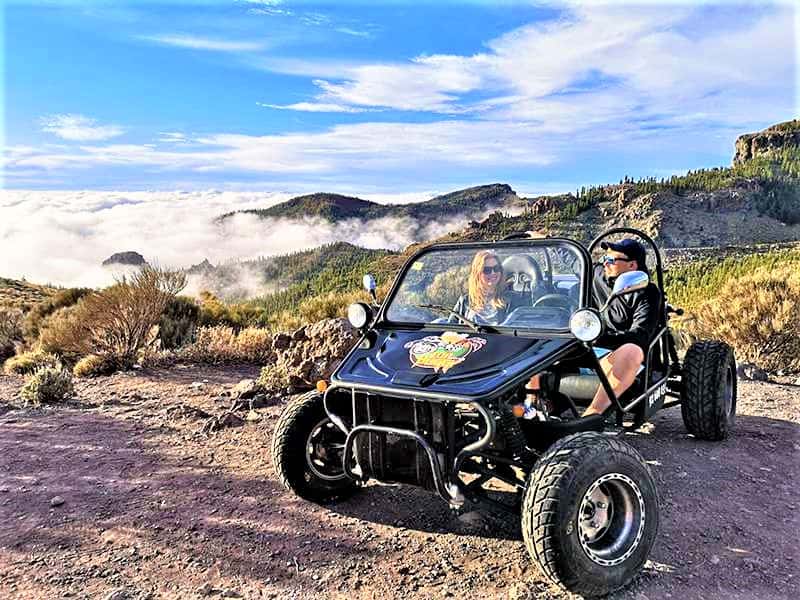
[388, 98]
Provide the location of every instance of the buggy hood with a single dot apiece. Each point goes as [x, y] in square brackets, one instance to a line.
[448, 362]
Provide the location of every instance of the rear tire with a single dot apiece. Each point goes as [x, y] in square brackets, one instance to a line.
[590, 513]
[708, 398]
[306, 453]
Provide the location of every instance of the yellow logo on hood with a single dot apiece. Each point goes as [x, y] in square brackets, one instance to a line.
[442, 352]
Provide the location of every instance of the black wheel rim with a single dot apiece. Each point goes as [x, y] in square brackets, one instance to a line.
[611, 519]
[728, 391]
[325, 451]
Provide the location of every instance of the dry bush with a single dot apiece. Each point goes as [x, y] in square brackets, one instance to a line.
[39, 313]
[757, 314]
[254, 344]
[118, 322]
[221, 344]
[92, 366]
[10, 331]
[29, 362]
[329, 306]
[48, 385]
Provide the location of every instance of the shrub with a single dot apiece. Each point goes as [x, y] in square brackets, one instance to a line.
[36, 317]
[118, 322]
[757, 314]
[10, 331]
[254, 344]
[29, 362]
[92, 365]
[223, 344]
[48, 385]
[178, 322]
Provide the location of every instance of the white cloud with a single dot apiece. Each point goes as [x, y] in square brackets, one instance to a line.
[314, 107]
[633, 62]
[62, 237]
[201, 43]
[79, 128]
[356, 147]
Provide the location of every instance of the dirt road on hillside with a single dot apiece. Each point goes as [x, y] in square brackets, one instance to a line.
[151, 509]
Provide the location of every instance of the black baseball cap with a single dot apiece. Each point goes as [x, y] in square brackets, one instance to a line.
[630, 248]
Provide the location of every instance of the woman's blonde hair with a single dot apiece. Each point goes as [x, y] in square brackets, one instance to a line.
[477, 290]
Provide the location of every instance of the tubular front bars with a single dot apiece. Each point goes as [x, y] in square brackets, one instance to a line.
[447, 484]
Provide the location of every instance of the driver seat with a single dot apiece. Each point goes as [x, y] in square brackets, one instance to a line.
[523, 276]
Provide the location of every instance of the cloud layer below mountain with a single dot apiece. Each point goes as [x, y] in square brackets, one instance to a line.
[63, 237]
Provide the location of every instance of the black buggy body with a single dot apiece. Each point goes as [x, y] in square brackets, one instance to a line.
[433, 399]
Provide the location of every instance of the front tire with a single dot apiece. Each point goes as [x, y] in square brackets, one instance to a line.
[708, 398]
[590, 514]
[307, 451]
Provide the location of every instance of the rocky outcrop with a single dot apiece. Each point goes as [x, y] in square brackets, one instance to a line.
[771, 140]
[307, 355]
[130, 258]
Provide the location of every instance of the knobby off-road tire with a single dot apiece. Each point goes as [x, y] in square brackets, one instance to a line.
[708, 398]
[581, 544]
[295, 467]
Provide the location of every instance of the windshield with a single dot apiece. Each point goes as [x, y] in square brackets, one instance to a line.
[524, 285]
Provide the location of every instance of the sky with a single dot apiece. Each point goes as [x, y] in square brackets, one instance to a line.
[130, 125]
[383, 97]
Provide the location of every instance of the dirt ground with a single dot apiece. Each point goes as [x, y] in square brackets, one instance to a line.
[153, 509]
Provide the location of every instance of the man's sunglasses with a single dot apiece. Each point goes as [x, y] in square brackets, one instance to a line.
[493, 269]
[610, 260]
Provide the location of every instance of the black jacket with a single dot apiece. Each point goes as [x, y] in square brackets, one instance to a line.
[632, 318]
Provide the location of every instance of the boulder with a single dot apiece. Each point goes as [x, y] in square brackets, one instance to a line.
[307, 355]
[751, 372]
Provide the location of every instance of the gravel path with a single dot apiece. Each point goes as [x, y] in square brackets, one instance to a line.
[153, 509]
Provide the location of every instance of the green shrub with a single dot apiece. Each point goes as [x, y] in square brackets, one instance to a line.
[757, 314]
[178, 322]
[36, 317]
[29, 362]
[92, 365]
[48, 385]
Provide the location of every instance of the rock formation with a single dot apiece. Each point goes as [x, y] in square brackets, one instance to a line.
[771, 140]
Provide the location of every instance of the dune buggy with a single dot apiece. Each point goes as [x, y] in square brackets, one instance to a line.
[432, 399]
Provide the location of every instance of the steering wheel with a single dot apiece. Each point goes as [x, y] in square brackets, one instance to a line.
[554, 300]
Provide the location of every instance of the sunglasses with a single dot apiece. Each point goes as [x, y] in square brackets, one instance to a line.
[610, 260]
[493, 269]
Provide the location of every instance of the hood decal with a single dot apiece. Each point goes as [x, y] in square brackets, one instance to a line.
[442, 352]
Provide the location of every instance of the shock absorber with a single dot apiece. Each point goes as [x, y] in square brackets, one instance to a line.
[515, 439]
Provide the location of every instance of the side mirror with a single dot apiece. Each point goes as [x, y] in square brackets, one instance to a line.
[626, 283]
[370, 285]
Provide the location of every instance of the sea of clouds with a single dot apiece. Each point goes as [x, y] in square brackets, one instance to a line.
[62, 237]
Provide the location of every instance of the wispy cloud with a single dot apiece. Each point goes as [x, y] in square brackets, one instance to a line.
[635, 63]
[200, 43]
[315, 107]
[79, 128]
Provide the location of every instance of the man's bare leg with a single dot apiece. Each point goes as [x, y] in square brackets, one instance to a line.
[620, 368]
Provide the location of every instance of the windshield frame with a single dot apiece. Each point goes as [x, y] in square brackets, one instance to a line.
[585, 283]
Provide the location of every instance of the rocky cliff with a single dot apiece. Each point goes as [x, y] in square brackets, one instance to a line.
[770, 141]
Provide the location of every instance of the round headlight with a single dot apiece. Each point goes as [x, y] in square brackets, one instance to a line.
[358, 314]
[585, 324]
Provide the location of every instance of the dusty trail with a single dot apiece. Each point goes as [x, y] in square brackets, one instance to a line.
[153, 510]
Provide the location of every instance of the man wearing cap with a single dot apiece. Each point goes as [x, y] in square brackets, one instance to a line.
[631, 320]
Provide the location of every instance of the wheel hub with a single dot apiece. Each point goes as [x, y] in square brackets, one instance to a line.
[325, 450]
[611, 519]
